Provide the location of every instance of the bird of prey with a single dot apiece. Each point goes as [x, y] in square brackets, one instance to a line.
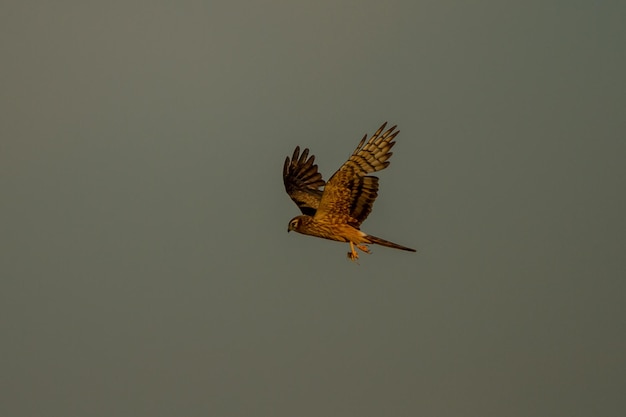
[337, 211]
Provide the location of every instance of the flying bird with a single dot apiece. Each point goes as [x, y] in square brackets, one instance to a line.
[335, 209]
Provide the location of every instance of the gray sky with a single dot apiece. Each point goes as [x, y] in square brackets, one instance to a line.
[146, 269]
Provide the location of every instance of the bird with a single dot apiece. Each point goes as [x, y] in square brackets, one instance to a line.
[335, 209]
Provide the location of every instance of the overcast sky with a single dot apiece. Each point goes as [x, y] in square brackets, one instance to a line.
[146, 268]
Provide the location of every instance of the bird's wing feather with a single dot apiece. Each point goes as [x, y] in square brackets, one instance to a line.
[303, 181]
[349, 194]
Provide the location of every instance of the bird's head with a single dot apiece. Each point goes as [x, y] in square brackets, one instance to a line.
[294, 224]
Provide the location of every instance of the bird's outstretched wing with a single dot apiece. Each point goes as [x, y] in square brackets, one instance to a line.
[350, 193]
[303, 181]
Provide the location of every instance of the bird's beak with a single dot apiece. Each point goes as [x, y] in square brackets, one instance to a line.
[288, 229]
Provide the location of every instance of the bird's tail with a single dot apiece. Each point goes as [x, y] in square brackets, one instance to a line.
[383, 242]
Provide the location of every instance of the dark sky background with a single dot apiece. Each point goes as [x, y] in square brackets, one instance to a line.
[145, 265]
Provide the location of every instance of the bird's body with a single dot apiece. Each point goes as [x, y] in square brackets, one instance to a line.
[337, 211]
[341, 232]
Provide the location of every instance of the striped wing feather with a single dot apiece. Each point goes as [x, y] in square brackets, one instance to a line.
[303, 181]
[350, 193]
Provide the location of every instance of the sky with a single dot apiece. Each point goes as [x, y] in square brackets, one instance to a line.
[145, 265]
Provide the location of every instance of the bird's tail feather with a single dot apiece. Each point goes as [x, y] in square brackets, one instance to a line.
[383, 242]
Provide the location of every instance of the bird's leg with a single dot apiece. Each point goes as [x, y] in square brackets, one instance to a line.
[352, 255]
[364, 248]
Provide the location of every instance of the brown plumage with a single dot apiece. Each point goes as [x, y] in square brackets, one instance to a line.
[302, 181]
[337, 211]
